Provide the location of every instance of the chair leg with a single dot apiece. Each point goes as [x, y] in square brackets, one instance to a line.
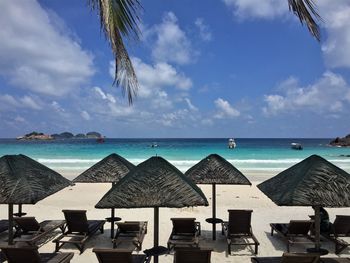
[271, 231]
[256, 248]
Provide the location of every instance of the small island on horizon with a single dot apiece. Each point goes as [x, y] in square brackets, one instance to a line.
[60, 136]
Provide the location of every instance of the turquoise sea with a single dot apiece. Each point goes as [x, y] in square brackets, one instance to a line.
[255, 155]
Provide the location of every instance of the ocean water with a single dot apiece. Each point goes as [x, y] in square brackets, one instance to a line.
[257, 155]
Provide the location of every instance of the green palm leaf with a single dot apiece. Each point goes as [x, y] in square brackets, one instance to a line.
[119, 18]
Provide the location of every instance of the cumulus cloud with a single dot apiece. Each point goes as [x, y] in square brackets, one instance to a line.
[225, 110]
[190, 105]
[85, 115]
[36, 54]
[171, 43]
[204, 30]
[267, 9]
[326, 95]
[11, 103]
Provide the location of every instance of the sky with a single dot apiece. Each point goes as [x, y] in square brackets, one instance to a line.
[221, 68]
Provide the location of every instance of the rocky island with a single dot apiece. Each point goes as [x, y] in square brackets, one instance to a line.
[341, 142]
[61, 136]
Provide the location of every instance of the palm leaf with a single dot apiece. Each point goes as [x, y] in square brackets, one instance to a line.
[119, 18]
[307, 13]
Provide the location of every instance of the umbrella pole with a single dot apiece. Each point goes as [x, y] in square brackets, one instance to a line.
[214, 209]
[317, 227]
[112, 222]
[156, 232]
[10, 215]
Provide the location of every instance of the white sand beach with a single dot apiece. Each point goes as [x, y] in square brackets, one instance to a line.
[85, 196]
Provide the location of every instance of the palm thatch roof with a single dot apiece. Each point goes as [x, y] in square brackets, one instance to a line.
[25, 181]
[153, 183]
[312, 182]
[214, 169]
[109, 170]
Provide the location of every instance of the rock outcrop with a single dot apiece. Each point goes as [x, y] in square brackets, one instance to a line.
[343, 142]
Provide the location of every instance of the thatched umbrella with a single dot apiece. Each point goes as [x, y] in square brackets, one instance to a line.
[109, 170]
[153, 183]
[214, 170]
[312, 182]
[25, 181]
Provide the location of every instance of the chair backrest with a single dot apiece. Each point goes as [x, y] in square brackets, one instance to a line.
[342, 225]
[113, 255]
[76, 221]
[192, 255]
[20, 255]
[300, 258]
[299, 227]
[129, 226]
[27, 224]
[184, 225]
[239, 222]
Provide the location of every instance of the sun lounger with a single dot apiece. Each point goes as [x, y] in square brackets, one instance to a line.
[299, 258]
[192, 255]
[79, 229]
[185, 232]
[293, 232]
[130, 231]
[31, 255]
[4, 225]
[105, 255]
[37, 232]
[340, 228]
[239, 227]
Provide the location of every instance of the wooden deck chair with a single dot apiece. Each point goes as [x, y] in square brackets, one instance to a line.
[289, 258]
[293, 232]
[79, 229]
[335, 260]
[31, 255]
[130, 231]
[185, 232]
[4, 225]
[340, 228]
[192, 255]
[239, 227]
[106, 255]
[44, 230]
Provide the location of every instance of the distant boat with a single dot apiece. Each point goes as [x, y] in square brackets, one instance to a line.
[154, 145]
[231, 144]
[296, 146]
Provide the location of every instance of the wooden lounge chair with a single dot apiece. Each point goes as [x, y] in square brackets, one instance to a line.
[294, 231]
[31, 255]
[340, 228]
[130, 231]
[289, 258]
[37, 231]
[79, 229]
[239, 227]
[4, 225]
[192, 255]
[106, 255]
[185, 232]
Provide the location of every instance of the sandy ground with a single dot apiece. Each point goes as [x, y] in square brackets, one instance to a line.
[85, 196]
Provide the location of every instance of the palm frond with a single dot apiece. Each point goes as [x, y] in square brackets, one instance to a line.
[119, 18]
[307, 13]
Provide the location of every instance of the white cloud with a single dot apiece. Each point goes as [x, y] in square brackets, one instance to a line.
[267, 9]
[225, 110]
[29, 102]
[10, 103]
[57, 107]
[171, 42]
[326, 95]
[105, 96]
[204, 30]
[337, 24]
[190, 105]
[85, 115]
[36, 54]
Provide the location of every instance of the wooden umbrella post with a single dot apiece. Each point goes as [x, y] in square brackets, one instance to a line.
[156, 232]
[214, 210]
[112, 222]
[317, 227]
[10, 215]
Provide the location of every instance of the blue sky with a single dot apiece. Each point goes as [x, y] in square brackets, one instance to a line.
[228, 68]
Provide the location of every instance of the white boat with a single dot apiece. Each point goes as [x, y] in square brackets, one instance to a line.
[296, 146]
[231, 144]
